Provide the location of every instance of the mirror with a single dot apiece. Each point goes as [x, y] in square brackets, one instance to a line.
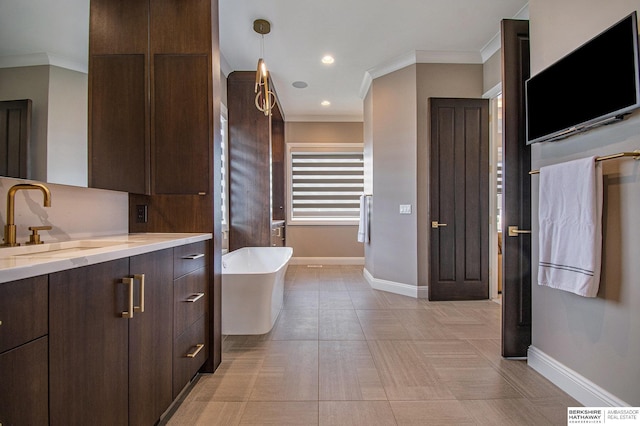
[44, 57]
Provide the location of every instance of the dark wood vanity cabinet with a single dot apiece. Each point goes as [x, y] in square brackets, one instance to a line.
[256, 164]
[24, 383]
[106, 368]
[190, 301]
[151, 96]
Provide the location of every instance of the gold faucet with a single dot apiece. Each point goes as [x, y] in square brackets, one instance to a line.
[10, 227]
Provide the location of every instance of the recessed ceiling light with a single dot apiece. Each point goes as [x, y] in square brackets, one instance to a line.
[299, 84]
[327, 59]
[325, 103]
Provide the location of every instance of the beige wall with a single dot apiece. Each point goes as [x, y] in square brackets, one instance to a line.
[599, 338]
[67, 149]
[323, 241]
[397, 145]
[368, 168]
[492, 72]
[74, 213]
[58, 146]
[31, 83]
[392, 250]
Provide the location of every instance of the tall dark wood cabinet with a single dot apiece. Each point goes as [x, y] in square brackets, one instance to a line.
[150, 88]
[256, 165]
[154, 126]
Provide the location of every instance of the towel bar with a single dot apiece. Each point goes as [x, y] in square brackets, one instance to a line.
[635, 154]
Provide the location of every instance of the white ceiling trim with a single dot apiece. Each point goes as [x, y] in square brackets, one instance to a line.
[494, 44]
[43, 58]
[224, 66]
[434, 57]
[417, 57]
[490, 48]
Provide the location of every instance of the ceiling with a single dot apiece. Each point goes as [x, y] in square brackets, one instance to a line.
[367, 38]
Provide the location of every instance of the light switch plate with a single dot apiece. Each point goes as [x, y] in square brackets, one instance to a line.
[405, 208]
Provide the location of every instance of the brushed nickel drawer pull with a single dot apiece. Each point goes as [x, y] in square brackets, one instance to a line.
[193, 354]
[194, 297]
[193, 256]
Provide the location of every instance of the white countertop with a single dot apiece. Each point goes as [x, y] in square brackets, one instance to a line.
[29, 261]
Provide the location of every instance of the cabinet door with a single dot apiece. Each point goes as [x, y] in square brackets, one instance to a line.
[88, 345]
[118, 134]
[151, 339]
[23, 311]
[23, 385]
[180, 131]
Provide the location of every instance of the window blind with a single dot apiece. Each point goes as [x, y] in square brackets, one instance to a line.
[326, 185]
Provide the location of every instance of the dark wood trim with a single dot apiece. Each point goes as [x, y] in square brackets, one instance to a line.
[516, 251]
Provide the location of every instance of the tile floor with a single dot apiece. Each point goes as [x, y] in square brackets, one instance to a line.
[343, 354]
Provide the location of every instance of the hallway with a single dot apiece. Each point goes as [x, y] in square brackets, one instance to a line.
[343, 354]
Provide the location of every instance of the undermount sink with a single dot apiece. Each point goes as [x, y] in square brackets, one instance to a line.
[59, 249]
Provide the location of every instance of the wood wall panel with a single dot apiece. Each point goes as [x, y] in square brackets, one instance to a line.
[249, 165]
[119, 26]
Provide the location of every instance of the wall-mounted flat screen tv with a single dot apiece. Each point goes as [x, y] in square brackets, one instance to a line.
[596, 84]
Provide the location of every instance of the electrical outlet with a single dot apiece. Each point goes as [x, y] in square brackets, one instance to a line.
[141, 213]
[405, 208]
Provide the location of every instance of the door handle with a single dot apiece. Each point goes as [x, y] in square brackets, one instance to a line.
[436, 225]
[514, 231]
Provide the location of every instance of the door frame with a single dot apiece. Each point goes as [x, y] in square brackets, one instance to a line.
[492, 94]
[457, 285]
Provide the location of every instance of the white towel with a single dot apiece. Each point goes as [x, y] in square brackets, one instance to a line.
[570, 218]
[363, 226]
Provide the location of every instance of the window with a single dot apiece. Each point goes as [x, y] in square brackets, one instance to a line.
[325, 183]
[224, 179]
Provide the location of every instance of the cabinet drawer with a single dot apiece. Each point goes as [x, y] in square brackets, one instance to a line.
[23, 311]
[24, 387]
[189, 257]
[190, 299]
[189, 353]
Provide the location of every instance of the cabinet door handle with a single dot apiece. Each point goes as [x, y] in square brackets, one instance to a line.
[279, 232]
[194, 297]
[193, 354]
[193, 256]
[129, 313]
[140, 278]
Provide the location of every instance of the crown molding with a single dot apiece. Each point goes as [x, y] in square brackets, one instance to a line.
[494, 44]
[224, 66]
[42, 58]
[417, 57]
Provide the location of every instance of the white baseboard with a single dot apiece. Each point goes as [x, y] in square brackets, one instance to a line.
[577, 386]
[395, 287]
[326, 261]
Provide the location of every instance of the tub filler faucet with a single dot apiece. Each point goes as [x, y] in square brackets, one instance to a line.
[10, 227]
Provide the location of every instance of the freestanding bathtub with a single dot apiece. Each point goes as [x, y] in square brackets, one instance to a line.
[253, 288]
